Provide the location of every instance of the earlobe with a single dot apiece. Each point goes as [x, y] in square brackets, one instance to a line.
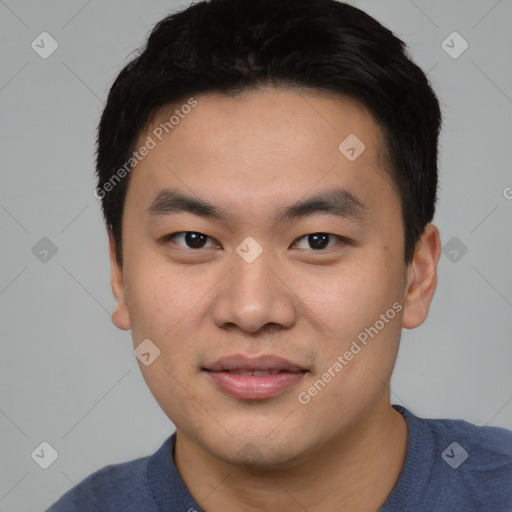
[120, 316]
[422, 278]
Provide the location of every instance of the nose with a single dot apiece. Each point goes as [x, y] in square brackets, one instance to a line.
[254, 295]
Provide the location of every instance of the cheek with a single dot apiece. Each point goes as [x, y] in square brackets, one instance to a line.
[166, 307]
[347, 306]
[343, 300]
[162, 309]
[157, 299]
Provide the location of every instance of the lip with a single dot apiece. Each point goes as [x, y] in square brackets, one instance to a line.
[254, 387]
[266, 362]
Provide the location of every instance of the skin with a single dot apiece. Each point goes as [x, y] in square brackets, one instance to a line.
[252, 155]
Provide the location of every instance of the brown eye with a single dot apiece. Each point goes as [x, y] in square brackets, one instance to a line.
[319, 241]
[191, 239]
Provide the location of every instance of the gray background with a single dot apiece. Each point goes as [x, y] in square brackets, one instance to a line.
[69, 377]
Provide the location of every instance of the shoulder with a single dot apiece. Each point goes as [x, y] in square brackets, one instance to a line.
[487, 446]
[491, 443]
[116, 487]
[480, 457]
[473, 462]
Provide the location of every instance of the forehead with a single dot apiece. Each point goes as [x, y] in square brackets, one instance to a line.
[299, 115]
[262, 144]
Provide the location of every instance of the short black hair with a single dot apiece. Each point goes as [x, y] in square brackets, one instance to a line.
[232, 46]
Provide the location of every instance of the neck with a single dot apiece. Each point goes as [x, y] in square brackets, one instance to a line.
[336, 477]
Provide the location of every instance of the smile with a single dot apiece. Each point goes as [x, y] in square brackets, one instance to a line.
[254, 378]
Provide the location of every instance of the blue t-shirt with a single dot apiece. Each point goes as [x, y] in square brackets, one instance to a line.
[451, 465]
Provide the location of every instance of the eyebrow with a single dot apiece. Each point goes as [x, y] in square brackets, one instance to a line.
[335, 201]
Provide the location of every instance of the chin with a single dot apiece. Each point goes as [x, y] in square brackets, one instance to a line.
[257, 450]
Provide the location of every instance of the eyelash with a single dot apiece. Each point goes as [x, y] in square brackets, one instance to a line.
[172, 236]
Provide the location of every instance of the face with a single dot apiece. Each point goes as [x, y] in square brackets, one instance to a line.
[311, 297]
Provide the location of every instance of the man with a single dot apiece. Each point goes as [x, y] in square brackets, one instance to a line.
[268, 176]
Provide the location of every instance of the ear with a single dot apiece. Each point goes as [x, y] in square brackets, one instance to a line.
[422, 278]
[121, 316]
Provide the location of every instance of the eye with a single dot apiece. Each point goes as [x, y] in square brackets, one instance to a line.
[192, 239]
[318, 241]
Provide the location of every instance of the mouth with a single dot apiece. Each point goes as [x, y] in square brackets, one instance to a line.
[256, 373]
[254, 378]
